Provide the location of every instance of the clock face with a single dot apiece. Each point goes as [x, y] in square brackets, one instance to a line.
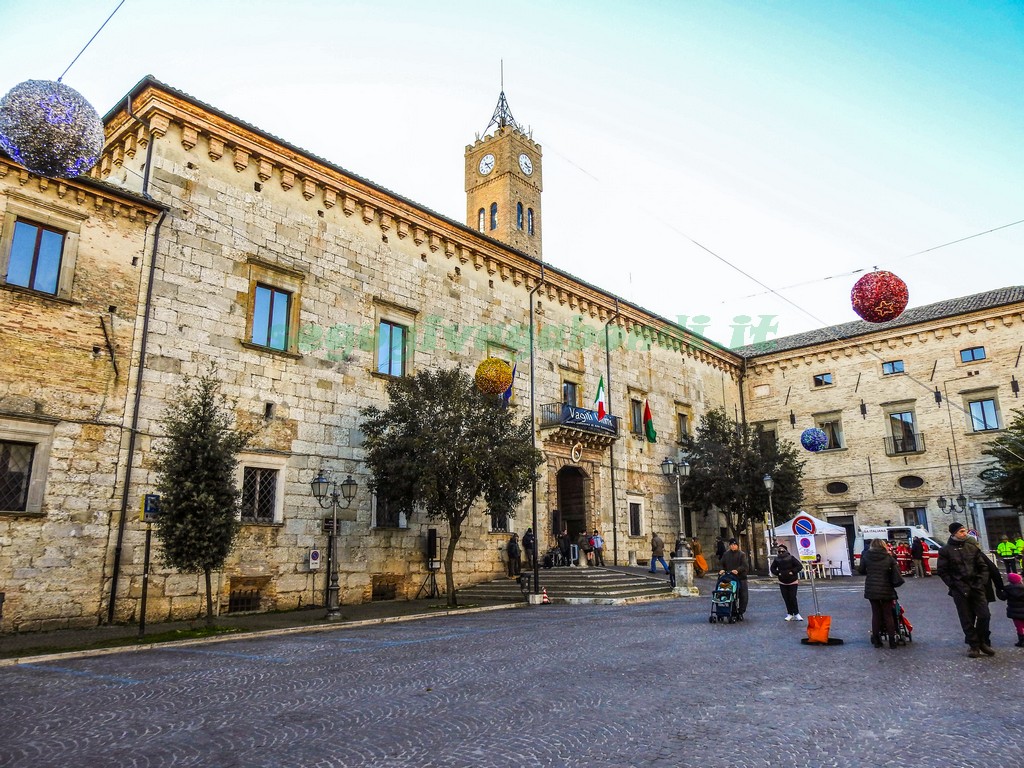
[486, 164]
[526, 164]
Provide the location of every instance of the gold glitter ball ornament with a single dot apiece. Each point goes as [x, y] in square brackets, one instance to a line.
[493, 376]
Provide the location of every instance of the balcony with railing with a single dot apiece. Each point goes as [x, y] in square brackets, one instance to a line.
[563, 415]
[909, 443]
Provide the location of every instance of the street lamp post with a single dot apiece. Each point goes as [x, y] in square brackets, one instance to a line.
[680, 470]
[769, 484]
[327, 496]
[960, 500]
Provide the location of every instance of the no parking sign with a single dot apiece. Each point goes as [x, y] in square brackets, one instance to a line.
[805, 548]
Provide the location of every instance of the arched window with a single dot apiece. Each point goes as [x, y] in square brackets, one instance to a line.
[529, 220]
[494, 215]
[519, 215]
[480, 219]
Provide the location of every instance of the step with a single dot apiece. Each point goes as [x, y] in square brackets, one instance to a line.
[579, 585]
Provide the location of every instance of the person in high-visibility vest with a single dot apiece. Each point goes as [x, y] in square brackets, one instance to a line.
[1019, 545]
[1007, 552]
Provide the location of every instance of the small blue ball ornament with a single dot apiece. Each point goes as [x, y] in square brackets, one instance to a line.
[50, 129]
[814, 440]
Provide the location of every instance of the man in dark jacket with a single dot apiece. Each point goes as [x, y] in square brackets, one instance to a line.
[970, 576]
[736, 563]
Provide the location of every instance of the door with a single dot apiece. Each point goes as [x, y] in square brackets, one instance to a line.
[572, 501]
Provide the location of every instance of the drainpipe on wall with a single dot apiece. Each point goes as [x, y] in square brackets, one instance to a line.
[533, 437]
[133, 433]
[611, 448]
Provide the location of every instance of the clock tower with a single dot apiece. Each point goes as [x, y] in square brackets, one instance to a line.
[503, 183]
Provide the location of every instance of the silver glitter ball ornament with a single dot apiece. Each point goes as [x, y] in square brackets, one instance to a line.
[50, 129]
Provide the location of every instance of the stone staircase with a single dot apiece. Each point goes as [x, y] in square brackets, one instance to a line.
[603, 586]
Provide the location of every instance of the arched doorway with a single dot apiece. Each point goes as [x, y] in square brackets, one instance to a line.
[572, 501]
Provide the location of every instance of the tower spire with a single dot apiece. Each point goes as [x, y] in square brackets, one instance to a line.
[502, 112]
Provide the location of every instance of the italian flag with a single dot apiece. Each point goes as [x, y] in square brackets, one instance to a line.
[601, 401]
[652, 436]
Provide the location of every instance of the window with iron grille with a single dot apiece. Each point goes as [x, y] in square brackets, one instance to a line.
[15, 472]
[259, 494]
[499, 521]
[387, 515]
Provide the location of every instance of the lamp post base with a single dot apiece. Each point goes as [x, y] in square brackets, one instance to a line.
[333, 609]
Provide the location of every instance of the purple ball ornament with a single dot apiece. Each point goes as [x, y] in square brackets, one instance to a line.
[50, 129]
[814, 440]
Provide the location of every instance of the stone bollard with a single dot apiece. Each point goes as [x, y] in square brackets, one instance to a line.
[682, 569]
[632, 560]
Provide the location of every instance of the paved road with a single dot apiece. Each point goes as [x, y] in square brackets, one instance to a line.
[654, 685]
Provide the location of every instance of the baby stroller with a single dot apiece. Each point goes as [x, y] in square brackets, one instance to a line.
[725, 600]
[904, 629]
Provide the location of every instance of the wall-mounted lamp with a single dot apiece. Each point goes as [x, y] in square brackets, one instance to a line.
[1015, 386]
[792, 419]
[863, 409]
[938, 396]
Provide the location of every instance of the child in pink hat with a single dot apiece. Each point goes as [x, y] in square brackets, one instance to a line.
[1015, 605]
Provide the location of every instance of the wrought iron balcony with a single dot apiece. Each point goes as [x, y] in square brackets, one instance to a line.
[562, 415]
[896, 446]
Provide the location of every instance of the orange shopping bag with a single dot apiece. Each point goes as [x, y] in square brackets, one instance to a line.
[817, 629]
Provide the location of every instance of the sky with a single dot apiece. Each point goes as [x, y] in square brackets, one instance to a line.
[740, 161]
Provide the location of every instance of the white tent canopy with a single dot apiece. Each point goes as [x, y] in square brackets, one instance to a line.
[829, 540]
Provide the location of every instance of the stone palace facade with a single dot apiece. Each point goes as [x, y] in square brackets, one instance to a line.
[200, 239]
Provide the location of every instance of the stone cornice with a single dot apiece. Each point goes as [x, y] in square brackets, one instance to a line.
[88, 196]
[890, 341]
[205, 132]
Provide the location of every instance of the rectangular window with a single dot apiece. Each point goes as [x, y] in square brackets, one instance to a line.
[499, 522]
[904, 437]
[569, 393]
[636, 417]
[832, 426]
[767, 440]
[15, 473]
[915, 516]
[972, 354]
[822, 379]
[683, 424]
[635, 514]
[984, 415]
[391, 349]
[891, 367]
[387, 514]
[259, 494]
[270, 317]
[35, 257]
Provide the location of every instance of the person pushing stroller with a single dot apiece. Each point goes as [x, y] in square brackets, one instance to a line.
[736, 562]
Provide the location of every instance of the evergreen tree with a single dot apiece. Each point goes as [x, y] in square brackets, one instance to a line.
[728, 462]
[195, 468]
[1005, 480]
[441, 445]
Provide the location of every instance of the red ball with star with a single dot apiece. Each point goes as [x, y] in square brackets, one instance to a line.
[879, 297]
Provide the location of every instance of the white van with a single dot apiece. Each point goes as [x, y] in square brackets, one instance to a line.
[895, 534]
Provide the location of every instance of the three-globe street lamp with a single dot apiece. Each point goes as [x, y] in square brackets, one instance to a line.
[679, 469]
[326, 493]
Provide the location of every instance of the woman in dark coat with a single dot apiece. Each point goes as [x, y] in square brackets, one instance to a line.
[787, 568]
[883, 576]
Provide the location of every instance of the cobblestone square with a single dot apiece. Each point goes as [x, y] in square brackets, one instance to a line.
[652, 684]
